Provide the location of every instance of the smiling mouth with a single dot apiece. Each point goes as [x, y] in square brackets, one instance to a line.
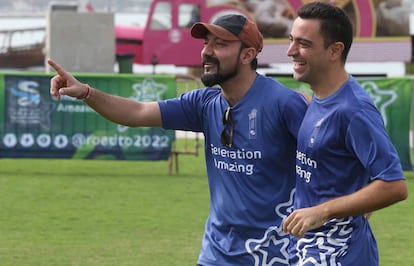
[210, 67]
[299, 66]
[298, 63]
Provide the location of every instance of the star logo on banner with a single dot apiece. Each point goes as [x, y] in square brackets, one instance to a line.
[148, 90]
[381, 98]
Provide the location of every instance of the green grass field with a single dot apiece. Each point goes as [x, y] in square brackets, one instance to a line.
[69, 212]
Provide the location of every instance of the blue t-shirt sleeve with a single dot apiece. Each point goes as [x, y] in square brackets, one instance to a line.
[186, 112]
[367, 138]
[181, 113]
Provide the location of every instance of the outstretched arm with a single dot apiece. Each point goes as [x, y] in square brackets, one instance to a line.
[117, 109]
[376, 195]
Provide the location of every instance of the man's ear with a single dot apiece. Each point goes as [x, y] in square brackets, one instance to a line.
[337, 48]
[248, 55]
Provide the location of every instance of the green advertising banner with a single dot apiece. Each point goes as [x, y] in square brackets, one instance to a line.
[392, 96]
[35, 125]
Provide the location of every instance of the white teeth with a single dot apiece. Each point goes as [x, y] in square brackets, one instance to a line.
[209, 67]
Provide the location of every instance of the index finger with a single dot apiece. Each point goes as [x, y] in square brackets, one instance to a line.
[56, 67]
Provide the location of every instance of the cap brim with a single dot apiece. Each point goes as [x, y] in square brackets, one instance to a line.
[200, 30]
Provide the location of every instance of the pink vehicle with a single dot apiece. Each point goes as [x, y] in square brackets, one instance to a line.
[166, 38]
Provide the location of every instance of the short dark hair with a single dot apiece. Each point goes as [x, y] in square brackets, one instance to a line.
[335, 25]
[254, 64]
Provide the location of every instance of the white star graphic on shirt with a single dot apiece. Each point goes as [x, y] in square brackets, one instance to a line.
[330, 247]
[274, 239]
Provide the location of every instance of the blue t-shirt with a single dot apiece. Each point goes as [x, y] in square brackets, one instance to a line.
[251, 183]
[342, 146]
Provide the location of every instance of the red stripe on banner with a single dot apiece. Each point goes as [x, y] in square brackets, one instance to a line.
[364, 12]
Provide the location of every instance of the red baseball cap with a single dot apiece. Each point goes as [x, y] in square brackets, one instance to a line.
[231, 28]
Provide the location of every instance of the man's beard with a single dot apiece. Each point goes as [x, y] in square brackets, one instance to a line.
[211, 79]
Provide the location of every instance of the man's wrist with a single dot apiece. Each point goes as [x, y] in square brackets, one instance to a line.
[87, 93]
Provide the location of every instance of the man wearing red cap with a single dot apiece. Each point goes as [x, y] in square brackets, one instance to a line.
[250, 124]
